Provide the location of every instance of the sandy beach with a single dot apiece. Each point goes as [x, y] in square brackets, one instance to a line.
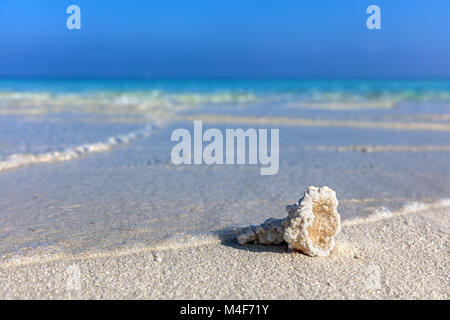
[94, 208]
[402, 257]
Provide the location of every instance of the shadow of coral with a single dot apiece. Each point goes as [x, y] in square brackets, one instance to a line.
[228, 238]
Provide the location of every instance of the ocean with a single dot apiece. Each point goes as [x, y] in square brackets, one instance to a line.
[85, 163]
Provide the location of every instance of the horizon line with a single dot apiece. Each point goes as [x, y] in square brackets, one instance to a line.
[156, 77]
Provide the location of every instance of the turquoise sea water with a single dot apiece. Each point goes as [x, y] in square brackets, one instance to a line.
[307, 89]
[50, 114]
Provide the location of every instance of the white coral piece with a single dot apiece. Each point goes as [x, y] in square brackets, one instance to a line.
[313, 222]
[311, 226]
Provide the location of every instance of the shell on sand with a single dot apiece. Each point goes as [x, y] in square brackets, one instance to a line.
[311, 226]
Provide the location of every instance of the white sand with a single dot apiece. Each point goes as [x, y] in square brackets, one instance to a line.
[402, 257]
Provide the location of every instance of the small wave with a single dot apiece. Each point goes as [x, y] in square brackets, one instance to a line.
[41, 255]
[150, 103]
[408, 208]
[21, 160]
[31, 255]
[345, 105]
[370, 148]
[210, 118]
[147, 100]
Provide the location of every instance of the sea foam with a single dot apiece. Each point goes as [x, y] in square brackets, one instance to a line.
[21, 160]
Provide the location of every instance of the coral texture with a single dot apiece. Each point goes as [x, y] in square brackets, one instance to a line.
[311, 226]
[270, 232]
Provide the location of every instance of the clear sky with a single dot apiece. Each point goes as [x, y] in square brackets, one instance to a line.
[233, 38]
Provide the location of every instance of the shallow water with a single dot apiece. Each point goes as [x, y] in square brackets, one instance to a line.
[120, 188]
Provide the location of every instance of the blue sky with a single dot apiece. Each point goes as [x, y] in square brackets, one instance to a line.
[232, 38]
